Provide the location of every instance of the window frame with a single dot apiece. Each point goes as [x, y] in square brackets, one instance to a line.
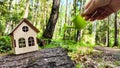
[21, 42]
[25, 29]
[31, 41]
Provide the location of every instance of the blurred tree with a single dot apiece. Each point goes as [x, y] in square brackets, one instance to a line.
[116, 30]
[66, 19]
[79, 32]
[107, 33]
[48, 33]
[26, 9]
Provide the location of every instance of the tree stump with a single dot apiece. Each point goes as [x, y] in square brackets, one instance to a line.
[46, 58]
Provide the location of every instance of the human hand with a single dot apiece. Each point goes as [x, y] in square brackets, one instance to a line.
[100, 9]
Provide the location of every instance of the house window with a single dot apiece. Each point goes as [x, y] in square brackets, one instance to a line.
[31, 41]
[25, 29]
[22, 43]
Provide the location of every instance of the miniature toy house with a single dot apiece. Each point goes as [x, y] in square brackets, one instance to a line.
[24, 37]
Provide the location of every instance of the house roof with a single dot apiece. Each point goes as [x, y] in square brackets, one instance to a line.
[28, 23]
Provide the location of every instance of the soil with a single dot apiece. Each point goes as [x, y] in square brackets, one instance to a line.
[102, 57]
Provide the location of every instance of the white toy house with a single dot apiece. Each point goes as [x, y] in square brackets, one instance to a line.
[24, 37]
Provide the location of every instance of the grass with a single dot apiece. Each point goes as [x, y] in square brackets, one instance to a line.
[78, 66]
[117, 63]
[75, 50]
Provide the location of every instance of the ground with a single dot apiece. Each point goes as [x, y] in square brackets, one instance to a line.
[99, 57]
[102, 57]
[45, 58]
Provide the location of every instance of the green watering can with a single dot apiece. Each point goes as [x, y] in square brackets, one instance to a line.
[79, 22]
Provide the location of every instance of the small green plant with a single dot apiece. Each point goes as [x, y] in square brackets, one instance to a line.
[102, 66]
[5, 44]
[99, 59]
[75, 50]
[117, 63]
[78, 66]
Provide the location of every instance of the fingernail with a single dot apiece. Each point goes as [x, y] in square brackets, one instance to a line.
[85, 12]
[92, 19]
[86, 18]
[82, 15]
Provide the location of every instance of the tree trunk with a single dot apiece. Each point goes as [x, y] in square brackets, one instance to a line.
[74, 5]
[27, 8]
[46, 58]
[94, 31]
[79, 32]
[78, 35]
[65, 31]
[48, 33]
[66, 15]
[116, 31]
[107, 34]
[8, 23]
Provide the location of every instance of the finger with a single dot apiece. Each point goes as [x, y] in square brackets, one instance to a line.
[87, 17]
[82, 14]
[88, 4]
[93, 19]
[95, 15]
[107, 12]
[103, 15]
[100, 12]
[91, 8]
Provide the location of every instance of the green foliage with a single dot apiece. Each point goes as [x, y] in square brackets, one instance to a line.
[5, 44]
[72, 47]
[1, 27]
[78, 66]
[75, 50]
[117, 63]
[50, 45]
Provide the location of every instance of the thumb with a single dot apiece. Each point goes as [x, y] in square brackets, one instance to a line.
[91, 8]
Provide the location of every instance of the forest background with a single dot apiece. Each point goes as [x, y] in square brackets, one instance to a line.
[61, 32]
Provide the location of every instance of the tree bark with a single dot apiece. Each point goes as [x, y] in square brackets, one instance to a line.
[48, 33]
[116, 31]
[107, 36]
[94, 31]
[78, 35]
[53, 59]
[8, 23]
[66, 15]
[79, 32]
[74, 5]
[65, 31]
[27, 8]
